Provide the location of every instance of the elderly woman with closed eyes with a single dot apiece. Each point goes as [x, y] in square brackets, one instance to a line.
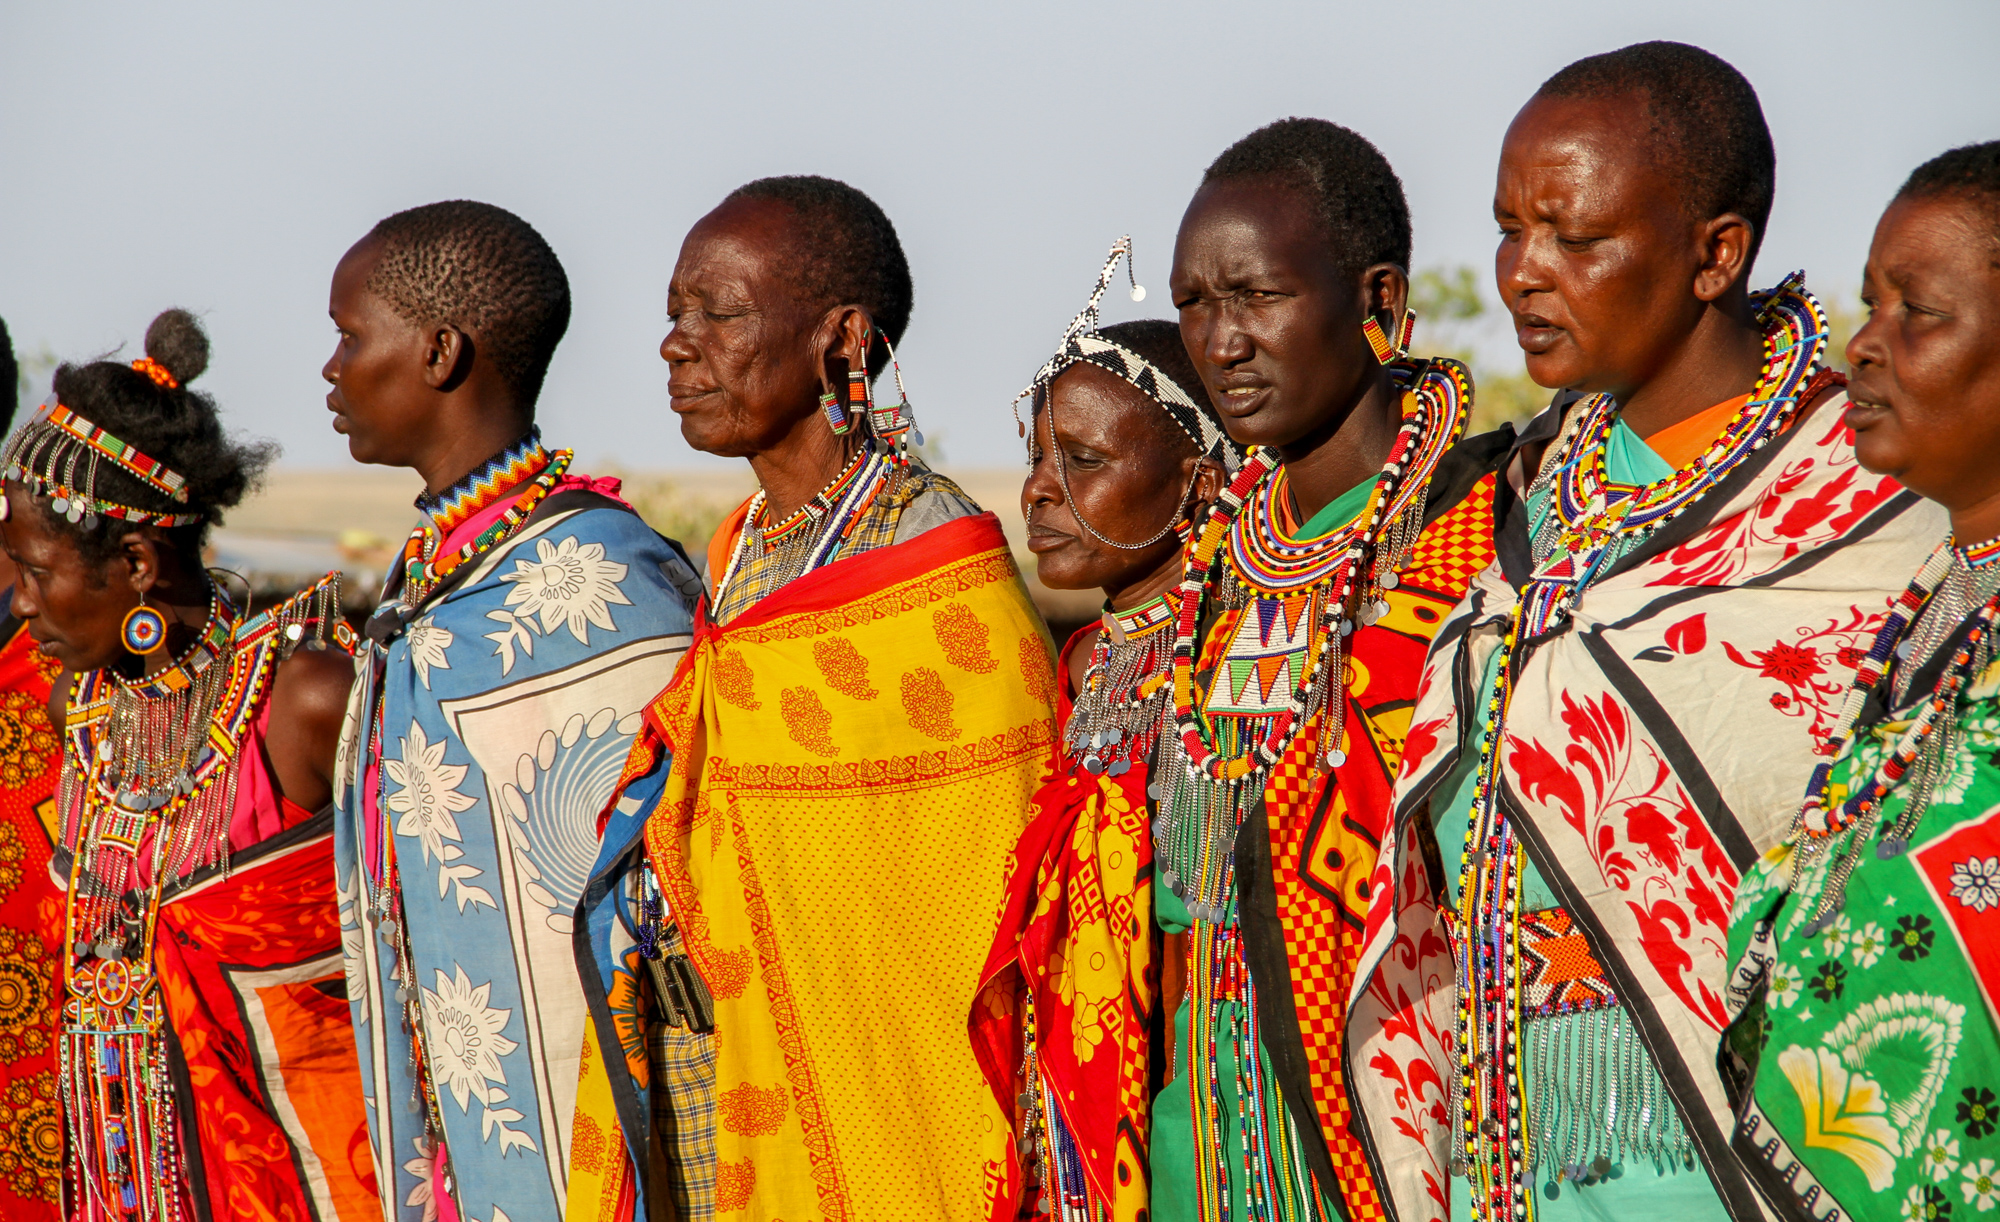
[801, 864]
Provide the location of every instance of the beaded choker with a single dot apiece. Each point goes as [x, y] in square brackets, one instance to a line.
[500, 476]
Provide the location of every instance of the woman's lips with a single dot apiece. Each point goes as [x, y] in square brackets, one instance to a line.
[1043, 540]
[1864, 413]
[1535, 334]
[1236, 402]
[684, 398]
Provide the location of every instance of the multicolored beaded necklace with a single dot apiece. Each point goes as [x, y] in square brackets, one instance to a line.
[147, 794]
[1591, 522]
[1299, 598]
[1296, 595]
[1919, 746]
[809, 536]
[1116, 718]
[525, 460]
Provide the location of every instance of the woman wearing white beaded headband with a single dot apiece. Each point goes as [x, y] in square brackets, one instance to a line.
[1123, 446]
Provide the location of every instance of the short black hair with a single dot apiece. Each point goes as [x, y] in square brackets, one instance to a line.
[484, 270]
[848, 254]
[1971, 171]
[10, 380]
[174, 424]
[1707, 124]
[1357, 195]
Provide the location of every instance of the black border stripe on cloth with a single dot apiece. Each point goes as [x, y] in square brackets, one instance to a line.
[1264, 954]
[1712, 1145]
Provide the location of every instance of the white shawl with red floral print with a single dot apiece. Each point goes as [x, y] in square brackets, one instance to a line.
[1654, 747]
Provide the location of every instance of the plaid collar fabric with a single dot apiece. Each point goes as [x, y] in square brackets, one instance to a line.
[449, 509]
[1082, 343]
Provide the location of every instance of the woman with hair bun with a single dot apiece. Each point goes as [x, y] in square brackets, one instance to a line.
[206, 1067]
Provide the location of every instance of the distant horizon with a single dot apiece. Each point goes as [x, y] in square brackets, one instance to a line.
[222, 156]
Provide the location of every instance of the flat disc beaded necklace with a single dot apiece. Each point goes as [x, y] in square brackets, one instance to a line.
[147, 793]
[1590, 522]
[1922, 747]
[1295, 595]
[128, 783]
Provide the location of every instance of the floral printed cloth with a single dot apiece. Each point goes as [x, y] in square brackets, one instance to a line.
[1866, 1056]
[486, 737]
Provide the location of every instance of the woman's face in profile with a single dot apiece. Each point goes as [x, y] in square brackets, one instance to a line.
[745, 372]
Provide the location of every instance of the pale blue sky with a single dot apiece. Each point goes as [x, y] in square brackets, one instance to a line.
[222, 156]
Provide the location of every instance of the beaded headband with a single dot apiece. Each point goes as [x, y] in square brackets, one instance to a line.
[57, 455]
[1084, 343]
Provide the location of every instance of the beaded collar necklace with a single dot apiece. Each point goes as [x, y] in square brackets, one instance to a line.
[1266, 564]
[814, 509]
[1116, 718]
[1593, 519]
[423, 567]
[808, 537]
[1294, 595]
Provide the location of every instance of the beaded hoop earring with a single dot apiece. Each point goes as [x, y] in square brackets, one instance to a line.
[144, 629]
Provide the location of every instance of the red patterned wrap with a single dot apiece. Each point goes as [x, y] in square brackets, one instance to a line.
[31, 916]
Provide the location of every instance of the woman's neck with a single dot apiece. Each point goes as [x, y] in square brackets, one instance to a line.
[1349, 450]
[1977, 522]
[1154, 582]
[187, 618]
[806, 461]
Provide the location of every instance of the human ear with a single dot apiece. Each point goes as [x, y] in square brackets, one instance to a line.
[1385, 294]
[447, 357]
[842, 342]
[1725, 254]
[141, 557]
[1208, 483]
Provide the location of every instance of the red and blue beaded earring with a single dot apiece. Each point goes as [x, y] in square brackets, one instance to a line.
[1378, 339]
[144, 630]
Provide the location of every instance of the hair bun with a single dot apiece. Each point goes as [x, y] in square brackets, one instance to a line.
[175, 340]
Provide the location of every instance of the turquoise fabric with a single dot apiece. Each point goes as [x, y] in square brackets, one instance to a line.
[1631, 1190]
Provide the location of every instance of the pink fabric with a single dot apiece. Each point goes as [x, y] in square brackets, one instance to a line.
[468, 530]
[447, 1209]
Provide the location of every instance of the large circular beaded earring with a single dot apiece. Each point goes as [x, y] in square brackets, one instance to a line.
[144, 630]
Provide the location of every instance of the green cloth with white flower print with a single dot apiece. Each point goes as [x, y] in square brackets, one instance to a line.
[1871, 1050]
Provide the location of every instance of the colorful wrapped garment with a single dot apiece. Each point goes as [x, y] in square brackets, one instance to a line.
[1865, 1061]
[1260, 1091]
[1652, 746]
[829, 789]
[30, 931]
[207, 1067]
[495, 707]
[1073, 974]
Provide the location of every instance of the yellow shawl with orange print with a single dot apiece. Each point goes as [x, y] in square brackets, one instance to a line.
[852, 760]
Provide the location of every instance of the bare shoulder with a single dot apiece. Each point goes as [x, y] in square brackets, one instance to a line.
[312, 685]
